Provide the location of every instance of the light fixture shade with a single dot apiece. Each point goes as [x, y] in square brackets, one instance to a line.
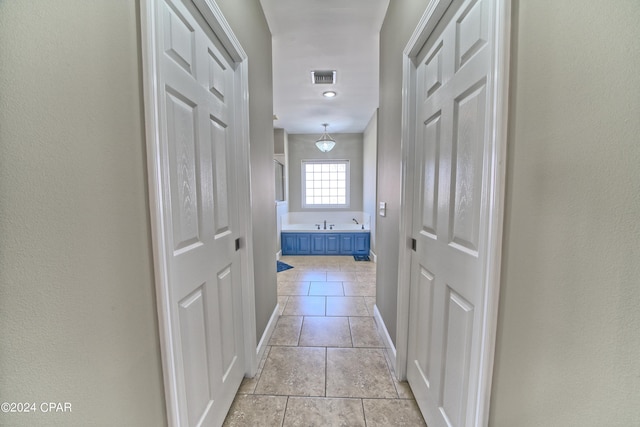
[325, 143]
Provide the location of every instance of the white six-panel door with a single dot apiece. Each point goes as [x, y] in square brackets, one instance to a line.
[197, 154]
[452, 156]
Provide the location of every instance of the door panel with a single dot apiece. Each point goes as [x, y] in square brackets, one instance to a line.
[455, 367]
[468, 148]
[425, 291]
[204, 267]
[472, 31]
[179, 38]
[431, 150]
[181, 118]
[193, 325]
[450, 175]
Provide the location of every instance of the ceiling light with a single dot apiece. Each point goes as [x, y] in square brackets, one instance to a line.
[329, 94]
[325, 143]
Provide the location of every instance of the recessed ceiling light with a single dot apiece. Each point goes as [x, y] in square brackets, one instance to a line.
[329, 94]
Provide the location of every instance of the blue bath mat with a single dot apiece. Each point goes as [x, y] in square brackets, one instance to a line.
[361, 257]
[281, 266]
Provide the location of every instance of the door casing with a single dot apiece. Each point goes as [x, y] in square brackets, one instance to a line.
[499, 74]
[150, 38]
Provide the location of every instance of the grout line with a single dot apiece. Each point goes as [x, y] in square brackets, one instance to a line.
[326, 369]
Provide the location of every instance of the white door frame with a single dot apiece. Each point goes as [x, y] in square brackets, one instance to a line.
[153, 125]
[498, 111]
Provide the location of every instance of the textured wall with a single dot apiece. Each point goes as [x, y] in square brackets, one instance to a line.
[569, 326]
[302, 147]
[370, 173]
[400, 22]
[250, 27]
[77, 303]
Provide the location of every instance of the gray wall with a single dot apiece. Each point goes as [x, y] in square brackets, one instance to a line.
[302, 147]
[402, 18]
[370, 173]
[250, 27]
[77, 302]
[569, 324]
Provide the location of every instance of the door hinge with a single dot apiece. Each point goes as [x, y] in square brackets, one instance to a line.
[414, 244]
[238, 244]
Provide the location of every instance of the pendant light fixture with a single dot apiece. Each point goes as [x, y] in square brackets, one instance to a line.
[325, 143]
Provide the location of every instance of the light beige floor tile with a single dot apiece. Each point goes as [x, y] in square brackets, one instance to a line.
[293, 288]
[358, 372]
[392, 412]
[326, 288]
[312, 276]
[323, 412]
[287, 276]
[253, 410]
[403, 389]
[282, 302]
[248, 385]
[326, 332]
[297, 371]
[359, 289]
[287, 331]
[364, 332]
[370, 302]
[365, 276]
[305, 306]
[366, 266]
[349, 268]
[344, 374]
[331, 266]
[341, 276]
[346, 306]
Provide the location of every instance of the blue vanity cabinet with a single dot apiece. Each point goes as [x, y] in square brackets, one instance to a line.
[303, 244]
[325, 243]
[332, 244]
[318, 244]
[361, 242]
[288, 243]
[346, 243]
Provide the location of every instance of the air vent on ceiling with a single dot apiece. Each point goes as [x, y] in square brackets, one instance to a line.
[323, 77]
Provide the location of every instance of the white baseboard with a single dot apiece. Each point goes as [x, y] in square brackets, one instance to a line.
[278, 254]
[373, 256]
[266, 336]
[386, 338]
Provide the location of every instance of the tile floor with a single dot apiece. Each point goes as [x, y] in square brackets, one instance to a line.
[325, 364]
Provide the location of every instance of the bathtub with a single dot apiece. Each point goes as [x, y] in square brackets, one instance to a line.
[319, 228]
[339, 239]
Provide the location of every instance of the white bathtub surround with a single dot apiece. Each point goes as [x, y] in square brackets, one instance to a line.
[319, 226]
[345, 220]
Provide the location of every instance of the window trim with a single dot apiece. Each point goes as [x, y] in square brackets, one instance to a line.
[303, 180]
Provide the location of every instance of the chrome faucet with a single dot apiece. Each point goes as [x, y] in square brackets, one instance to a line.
[325, 224]
[356, 221]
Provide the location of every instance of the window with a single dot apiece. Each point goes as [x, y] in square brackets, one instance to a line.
[325, 183]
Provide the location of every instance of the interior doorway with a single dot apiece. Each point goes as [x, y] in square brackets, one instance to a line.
[196, 114]
[454, 144]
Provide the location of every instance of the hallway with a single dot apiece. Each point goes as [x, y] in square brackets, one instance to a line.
[325, 364]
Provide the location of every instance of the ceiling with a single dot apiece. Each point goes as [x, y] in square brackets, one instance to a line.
[340, 35]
